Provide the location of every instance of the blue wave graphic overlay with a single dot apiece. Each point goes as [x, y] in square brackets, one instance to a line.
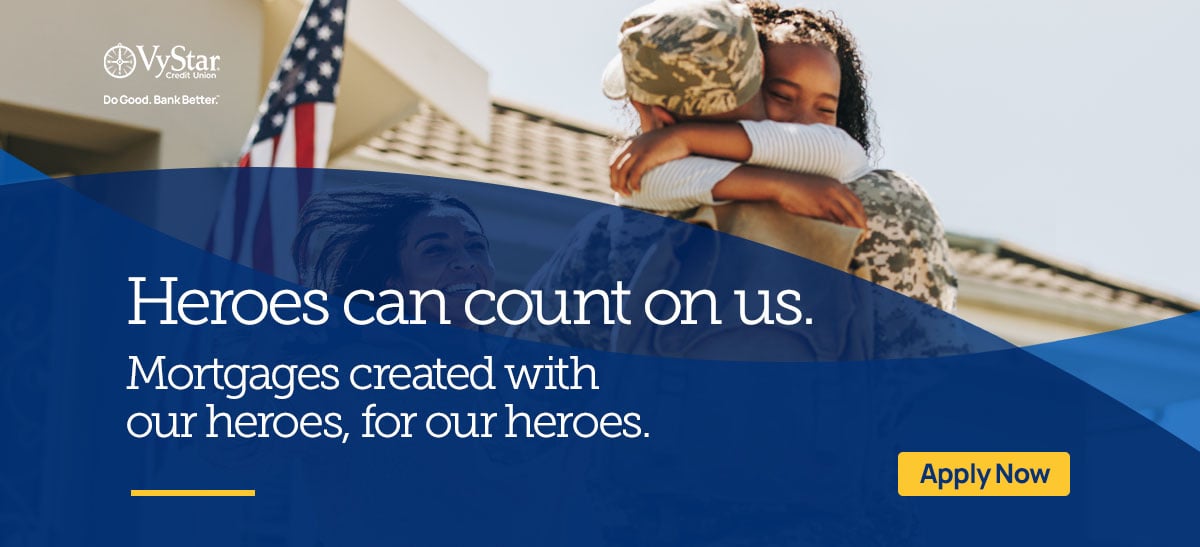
[755, 436]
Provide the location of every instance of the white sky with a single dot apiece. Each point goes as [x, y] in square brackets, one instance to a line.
[1066, 126]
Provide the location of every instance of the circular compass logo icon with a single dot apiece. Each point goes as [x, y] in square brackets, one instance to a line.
[119, 61]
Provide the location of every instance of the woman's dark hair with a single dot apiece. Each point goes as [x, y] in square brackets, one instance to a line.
[349, 240]
[777, 25]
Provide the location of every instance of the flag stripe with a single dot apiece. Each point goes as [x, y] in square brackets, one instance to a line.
[303, 126]
[323, 134]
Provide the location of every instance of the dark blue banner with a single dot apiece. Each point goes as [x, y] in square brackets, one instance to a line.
[134, 362]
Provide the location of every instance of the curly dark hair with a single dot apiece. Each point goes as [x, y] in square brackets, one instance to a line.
[804, 26]
[348, 239]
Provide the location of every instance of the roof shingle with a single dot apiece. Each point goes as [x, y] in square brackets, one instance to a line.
[528, 149]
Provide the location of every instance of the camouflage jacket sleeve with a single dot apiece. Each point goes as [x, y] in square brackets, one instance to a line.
[906, 250]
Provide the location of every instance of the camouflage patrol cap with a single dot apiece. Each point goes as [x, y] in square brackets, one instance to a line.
[691, 57]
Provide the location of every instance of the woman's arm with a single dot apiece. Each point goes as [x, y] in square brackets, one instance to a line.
[797, 193]
[816, 149]
[813, 149]
[679, 185]
[693, 181]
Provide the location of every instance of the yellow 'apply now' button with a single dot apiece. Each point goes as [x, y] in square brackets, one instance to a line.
[984, 474]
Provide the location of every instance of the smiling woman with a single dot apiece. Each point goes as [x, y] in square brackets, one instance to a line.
[377, 241]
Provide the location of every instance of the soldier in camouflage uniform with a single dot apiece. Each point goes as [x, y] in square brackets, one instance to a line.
[713, 70]
[906, 249]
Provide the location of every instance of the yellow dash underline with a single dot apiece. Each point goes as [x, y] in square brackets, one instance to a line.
[191, 493]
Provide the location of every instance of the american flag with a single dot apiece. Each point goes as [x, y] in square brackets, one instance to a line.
[258, 213]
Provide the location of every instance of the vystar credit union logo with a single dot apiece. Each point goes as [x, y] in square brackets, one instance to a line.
[177, 63]
[119, 62]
